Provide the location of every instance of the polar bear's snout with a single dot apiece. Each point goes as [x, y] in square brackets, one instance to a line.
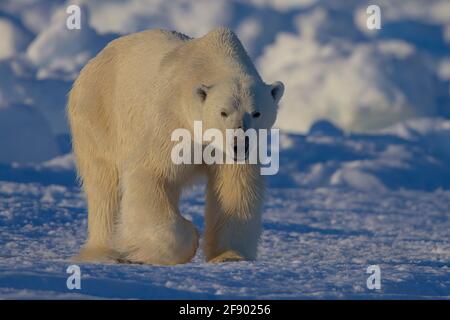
[239, 142]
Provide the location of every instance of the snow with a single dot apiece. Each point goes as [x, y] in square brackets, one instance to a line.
[14, 38]
[48, 97]
[284, 5]
[317, 243]
[365, 149]
[410, 155]
[64, 162]
[22, 125]
[34, 14]
[361, 87]
[60, 53]
[135, 15]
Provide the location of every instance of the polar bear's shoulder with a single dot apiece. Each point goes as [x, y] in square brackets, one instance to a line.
[218, 42]
[222, 37]
[209, 53]
[149, 38]
[161, 35]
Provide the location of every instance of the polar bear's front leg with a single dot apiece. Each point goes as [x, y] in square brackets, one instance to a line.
[233, 213]
[151, 229]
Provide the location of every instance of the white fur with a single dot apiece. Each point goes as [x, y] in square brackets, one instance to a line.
[122, 110]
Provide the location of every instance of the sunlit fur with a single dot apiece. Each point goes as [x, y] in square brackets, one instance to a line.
[122, 110]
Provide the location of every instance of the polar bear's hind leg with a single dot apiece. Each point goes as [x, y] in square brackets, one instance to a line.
[100, 182]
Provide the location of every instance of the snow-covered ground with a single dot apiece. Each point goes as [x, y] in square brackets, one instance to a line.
[317, 243]
[365, 149]
[338, 205]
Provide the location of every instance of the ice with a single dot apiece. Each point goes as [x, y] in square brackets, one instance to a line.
[15, 38]
[409, 155]
[317, 243]
[362, 87]
[60, 53]
[22, 125]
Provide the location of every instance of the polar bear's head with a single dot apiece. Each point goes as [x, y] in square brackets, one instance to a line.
[238, 104]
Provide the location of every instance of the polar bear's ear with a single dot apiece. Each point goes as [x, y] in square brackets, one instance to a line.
[277, 90]
[202, 92]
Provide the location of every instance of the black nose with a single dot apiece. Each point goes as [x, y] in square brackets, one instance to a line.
[246, 146]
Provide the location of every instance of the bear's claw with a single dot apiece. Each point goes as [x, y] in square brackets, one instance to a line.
[96, 255]
[227, 256]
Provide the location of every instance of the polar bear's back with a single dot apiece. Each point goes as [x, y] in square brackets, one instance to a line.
[127, 62]
[107, 96]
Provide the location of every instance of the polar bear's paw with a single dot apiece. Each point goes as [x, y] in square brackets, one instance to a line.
[227, 256]
[175, 244]
[96, 255]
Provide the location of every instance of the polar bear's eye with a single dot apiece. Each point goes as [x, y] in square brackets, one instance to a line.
[256, 115]
[224, 114]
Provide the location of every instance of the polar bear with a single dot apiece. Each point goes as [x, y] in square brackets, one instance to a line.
[122, 110]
